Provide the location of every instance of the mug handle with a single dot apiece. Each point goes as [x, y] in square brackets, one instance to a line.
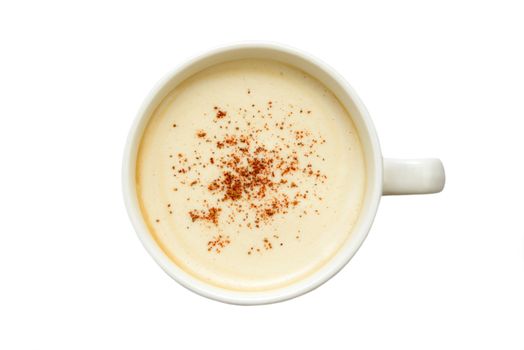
[413, 176]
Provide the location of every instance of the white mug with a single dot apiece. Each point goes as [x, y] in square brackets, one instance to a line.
[384, 176]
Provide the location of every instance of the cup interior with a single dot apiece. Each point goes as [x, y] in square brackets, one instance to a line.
[368, 139]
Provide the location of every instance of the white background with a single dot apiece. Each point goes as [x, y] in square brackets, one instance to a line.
[443, 79]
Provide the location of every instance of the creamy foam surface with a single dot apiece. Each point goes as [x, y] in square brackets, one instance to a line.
[250, 175]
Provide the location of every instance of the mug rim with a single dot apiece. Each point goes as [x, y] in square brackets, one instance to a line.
[315, 279]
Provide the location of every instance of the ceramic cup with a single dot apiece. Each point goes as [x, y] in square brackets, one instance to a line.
[384, 176]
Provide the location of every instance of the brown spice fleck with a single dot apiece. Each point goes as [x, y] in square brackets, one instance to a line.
[211, 215]
[267, 244]
[218, 243]
[213, 186]
[220, 114]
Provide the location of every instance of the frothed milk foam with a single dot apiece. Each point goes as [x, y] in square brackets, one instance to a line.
[250, 175]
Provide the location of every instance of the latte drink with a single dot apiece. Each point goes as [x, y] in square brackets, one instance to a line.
[250, 175]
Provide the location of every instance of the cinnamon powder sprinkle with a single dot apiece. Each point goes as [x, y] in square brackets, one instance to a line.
[220, 114]
[218, 243]
[255, 182]
[211, 215]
